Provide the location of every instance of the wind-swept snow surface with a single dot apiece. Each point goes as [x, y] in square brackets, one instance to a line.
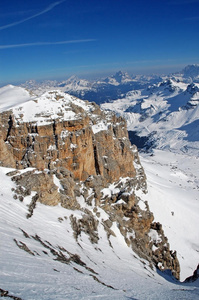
[40, 258]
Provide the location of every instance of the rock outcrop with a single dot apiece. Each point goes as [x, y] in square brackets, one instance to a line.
[70, 152]
[79, 137]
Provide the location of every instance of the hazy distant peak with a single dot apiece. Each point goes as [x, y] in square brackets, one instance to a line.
[122, 76]
[191, 70]
[73, 78]
[119, 78]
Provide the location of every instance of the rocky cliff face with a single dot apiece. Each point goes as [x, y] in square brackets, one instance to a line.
[79, 136]
[68, 151]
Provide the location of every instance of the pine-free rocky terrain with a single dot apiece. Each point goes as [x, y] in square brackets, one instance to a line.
[81, 216]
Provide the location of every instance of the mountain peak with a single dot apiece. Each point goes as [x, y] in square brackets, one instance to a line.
[120, 77]
[191, 71]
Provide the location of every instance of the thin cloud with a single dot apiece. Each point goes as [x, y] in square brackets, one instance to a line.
[47, 9]
[46, 43]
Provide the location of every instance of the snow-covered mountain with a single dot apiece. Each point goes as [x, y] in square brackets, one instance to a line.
[99, 91]
[76, 85]
[165, 115]
[112, 87]
[58, 242]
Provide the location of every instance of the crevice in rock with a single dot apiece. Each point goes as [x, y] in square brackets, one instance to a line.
[55, 135]
[10, 123]
[97, 167]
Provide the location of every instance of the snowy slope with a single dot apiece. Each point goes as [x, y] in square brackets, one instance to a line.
[40, 258]
[12, 95]
[173, 196]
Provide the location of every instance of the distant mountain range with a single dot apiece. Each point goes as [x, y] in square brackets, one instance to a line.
[99, 91]
[112, 87]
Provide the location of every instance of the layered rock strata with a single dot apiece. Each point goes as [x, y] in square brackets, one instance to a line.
[86, 141]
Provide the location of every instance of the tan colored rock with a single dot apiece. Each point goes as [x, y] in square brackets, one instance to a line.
[71, 144]
[42, 183]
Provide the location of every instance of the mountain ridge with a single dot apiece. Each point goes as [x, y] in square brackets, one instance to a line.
[112, 87]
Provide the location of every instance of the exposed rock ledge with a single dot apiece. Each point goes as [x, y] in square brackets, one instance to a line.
[79, 153]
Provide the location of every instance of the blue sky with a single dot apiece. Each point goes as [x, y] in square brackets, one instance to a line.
[55, 39]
